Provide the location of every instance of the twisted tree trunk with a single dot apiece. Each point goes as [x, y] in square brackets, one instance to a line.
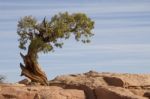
[31, 68]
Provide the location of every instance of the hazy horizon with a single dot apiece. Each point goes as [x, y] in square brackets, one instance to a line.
[121, 42]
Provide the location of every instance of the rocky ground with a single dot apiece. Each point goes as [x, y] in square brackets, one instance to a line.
[90, 85]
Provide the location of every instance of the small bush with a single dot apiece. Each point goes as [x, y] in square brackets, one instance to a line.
[2, 78]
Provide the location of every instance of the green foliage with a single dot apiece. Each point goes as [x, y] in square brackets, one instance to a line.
[26, 27]
[43, 36]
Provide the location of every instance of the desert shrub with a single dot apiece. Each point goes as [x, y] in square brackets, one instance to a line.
[2, 78]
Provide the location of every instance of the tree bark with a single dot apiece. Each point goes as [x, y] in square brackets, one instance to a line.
[31, 68]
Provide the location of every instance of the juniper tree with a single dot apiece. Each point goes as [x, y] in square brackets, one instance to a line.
[44, 36]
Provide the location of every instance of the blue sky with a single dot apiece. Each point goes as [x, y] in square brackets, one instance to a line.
[121, 42]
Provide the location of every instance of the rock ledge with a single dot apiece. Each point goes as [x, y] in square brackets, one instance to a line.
[90, 85]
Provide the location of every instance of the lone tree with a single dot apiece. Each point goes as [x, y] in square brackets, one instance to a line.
[35, 37]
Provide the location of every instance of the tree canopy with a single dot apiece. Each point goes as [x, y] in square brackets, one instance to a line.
[43, 36]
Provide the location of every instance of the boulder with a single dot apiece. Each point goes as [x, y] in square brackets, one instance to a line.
[114, 81]
[109, 92]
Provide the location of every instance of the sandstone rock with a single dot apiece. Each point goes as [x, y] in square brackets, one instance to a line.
[135, 84]
[59, 93]
[147, 94]
[131, 79]
[88, 79]
[16, 92]
[114, 81]
[1, 96]
[139, 92]
[94, 79]
[40, 92]
[90, 85]
[115, 93]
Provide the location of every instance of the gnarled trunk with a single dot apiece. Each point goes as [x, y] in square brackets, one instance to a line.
[31, 68]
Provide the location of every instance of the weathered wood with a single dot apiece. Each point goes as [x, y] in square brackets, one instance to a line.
[32, 70]
[33, 77]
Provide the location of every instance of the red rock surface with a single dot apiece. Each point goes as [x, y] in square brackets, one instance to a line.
[107, 85]
[38, 92]
[90, 85]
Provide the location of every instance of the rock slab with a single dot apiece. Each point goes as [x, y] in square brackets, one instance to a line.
[90, 85]
[39, 92]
